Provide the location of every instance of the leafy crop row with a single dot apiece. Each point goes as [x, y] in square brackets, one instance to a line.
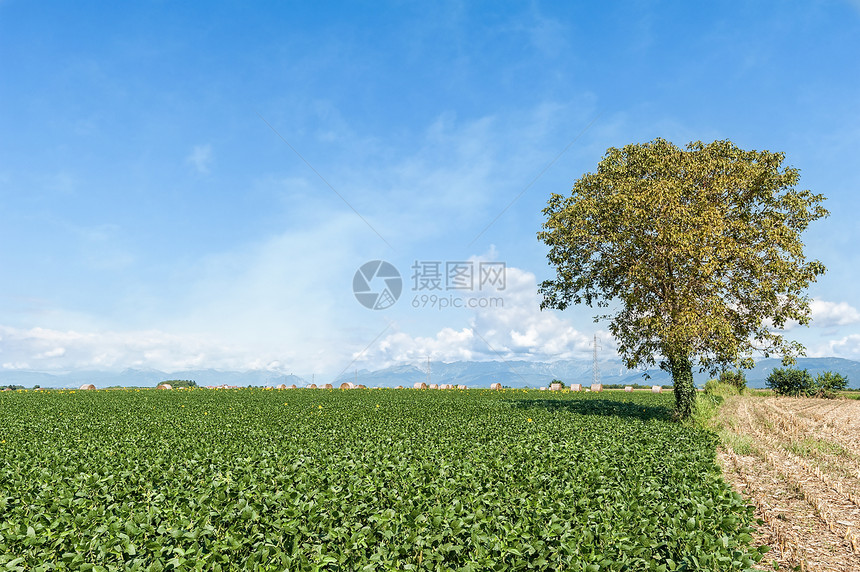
[360, 480]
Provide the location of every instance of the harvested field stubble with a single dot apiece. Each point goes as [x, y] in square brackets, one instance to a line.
[795, 459]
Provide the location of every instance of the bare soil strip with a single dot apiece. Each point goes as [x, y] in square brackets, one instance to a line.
[798, 462]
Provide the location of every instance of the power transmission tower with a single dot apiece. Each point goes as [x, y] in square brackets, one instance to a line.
[595, 368]
[428, 371]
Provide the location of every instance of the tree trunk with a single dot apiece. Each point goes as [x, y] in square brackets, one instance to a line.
[685, 389]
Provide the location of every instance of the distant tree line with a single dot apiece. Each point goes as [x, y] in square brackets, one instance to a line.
[800, 383]
[179, 383]
[790, 382]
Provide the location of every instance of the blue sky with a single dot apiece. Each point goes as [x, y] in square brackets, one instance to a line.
[181, 184]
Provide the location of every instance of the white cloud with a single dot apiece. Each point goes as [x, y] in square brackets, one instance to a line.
[824, 314]
[847, 347]
[200, 158]
[43, 349]
[516, 330]
[56, 352]
[827, 314]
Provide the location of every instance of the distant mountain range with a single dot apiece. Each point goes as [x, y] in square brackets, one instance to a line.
[470, 373]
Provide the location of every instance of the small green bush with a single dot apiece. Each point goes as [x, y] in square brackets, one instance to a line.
[719, 388]
[791, 382]
[735, 379]
[828, 383]
[799, 382]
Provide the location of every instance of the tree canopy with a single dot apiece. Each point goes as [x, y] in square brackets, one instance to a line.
[695, 254]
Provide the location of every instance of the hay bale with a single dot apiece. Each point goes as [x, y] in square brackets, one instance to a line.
[328, 386]
[628, 388]
[164, 386]
[312, 386]
[555, 387]
[656, 389]
[434, 386]
[84, 387]
[495, 386]
[597, 387]
[576, 387]
[399, 387]
[462, 387]
[419, 385]
[347, 385]
[293, 386]
[543, 389]
[282, 386]
[361, 386]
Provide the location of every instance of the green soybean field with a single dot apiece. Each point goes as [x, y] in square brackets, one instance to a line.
[256, 479]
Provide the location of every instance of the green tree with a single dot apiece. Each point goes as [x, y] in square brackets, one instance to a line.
[828, 382]
[791, 382]
[698, 251]
[799, 383]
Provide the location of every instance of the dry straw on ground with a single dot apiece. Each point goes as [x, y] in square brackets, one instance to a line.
[798, 462]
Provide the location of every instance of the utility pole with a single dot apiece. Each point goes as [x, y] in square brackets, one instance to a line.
[428, 371]
[595, 369]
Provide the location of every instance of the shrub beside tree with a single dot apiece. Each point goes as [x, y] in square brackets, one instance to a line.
[800, 383]
[736, 379]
